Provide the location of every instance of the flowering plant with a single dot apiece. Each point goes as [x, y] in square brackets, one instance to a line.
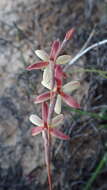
[53, 78]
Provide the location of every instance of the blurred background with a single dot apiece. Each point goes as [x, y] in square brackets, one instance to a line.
[80, 163]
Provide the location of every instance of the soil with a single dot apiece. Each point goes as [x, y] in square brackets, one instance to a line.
[24, 27]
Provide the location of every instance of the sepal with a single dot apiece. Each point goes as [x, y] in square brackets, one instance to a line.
[36, 66]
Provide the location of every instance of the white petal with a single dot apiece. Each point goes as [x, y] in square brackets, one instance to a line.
[36, 120]
[63, 59]
[69, 87]
[47, 77]
[58, 105]
[58, 120]
[46, 84]
[42, 55]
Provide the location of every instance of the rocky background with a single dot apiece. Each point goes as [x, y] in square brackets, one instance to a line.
[28, 25]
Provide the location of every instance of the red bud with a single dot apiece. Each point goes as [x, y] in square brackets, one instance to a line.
[54, 49]
[69, 34]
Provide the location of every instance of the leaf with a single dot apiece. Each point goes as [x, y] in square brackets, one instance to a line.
[36, 120]
[38, 65]
[42, 55]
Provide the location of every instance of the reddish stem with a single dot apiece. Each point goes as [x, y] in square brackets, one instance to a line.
[50, 113]
[47, 157]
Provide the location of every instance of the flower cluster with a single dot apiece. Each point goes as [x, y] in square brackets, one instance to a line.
[52, 66]
[43, 124]
[53, 78]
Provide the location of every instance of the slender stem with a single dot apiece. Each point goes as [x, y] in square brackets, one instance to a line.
[87, 41]
[51, 110]
[47, 157]
[52, 105]
[101, 72]
[50, 113]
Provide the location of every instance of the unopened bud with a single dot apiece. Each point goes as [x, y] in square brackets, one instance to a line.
[69, 34]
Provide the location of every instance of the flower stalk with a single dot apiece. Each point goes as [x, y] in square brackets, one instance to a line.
[47, 157]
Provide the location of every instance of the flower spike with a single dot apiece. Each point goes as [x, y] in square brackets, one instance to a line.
[53, 76]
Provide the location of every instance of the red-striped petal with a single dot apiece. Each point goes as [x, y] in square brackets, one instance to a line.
[36, 130]
[58, 134]
[69, 100]
[69, 34]
[54, 49]
[45, 112]
[38, 65]
[43, 97]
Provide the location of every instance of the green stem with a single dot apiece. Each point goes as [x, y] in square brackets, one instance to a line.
[102, 73]
[91, 114]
